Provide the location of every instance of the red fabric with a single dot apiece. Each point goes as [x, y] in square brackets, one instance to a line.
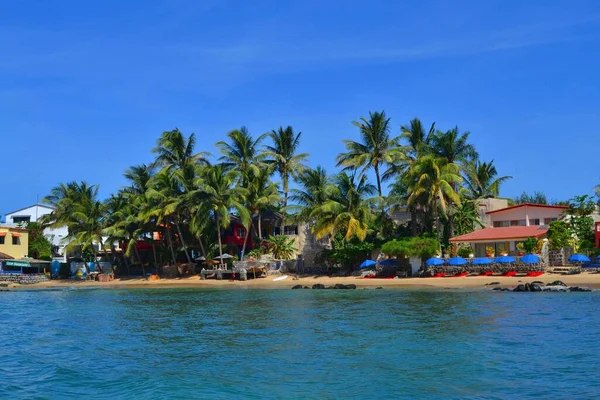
[509, 273]
[534, 273]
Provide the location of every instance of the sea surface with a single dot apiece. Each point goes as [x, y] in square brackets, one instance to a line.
[278, 344]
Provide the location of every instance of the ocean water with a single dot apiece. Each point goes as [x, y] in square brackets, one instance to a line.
[275, 344]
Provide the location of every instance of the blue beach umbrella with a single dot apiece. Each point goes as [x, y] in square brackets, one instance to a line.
[505, 259]
[482, 261]
[457, 261]
[434, 261]
[389, 262]
[530, 259]
[598, 257]
[579, 258]
[368, 264]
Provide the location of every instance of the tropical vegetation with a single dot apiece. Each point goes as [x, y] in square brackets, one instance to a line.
[181, 206]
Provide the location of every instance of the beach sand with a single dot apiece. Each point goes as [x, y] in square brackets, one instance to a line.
[476, 282]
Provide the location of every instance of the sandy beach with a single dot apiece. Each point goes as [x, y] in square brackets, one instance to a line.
[470, 283]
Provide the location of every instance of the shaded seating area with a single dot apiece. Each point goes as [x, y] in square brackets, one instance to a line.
[529, 265]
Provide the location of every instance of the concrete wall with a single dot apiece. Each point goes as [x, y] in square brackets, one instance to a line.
[486, 205]
[35, 212]
[308, 245]
[19, 250]
[528, 214]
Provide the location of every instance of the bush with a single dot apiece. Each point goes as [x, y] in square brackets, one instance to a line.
[420, 246]
[530, 245]
[558, 234]
[397, 248]
[465, 251]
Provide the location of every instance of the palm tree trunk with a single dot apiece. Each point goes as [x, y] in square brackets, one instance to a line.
[378, 179]
[245, 241]
[260, 226]
[137, 253]
[218, 221]
[413, 221]
[285, 201]
[170, 240]
[202, 248]
[185, 250]
[154, 255]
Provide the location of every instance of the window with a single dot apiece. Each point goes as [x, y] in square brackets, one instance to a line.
[548, 220]
[16, 240]
[2, 239]
[517, 222]
[240, 232]
[535, 221]
[290, 230]
[501, 224]
[19, 220]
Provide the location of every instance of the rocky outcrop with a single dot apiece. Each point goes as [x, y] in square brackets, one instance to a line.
[538, 286]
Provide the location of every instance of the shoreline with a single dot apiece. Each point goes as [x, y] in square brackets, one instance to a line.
[588, 280]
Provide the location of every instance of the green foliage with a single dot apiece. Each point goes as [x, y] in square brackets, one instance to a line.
[347, 253]
[39, 246]
[465, 251]
[535, 198]
[558, 234]
[581, 225]
[530, 245]
[282, 247]
[425, 247]
[398, 248]
[421, 246]
[466, 218]
[520, 246]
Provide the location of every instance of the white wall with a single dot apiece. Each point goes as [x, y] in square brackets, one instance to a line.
[35, 212]
[527, 213]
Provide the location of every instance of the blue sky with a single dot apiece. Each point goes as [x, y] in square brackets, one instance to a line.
[87, 87]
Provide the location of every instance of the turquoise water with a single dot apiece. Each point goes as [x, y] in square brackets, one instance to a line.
[185, 344]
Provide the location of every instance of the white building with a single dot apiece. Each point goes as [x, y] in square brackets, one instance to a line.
[33, 214]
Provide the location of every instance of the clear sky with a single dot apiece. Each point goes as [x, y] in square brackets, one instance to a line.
[86, 87]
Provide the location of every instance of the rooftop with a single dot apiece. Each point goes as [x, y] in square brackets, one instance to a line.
[497, 234]
[528, 205]
[31, 206]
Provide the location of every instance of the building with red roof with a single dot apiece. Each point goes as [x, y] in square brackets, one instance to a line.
[511, 225]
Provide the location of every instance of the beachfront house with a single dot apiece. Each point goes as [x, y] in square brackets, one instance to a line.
[34, 213]
[509, 226]
[14, 242]
[271, 224]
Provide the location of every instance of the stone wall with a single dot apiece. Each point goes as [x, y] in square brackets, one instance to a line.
[308, 245]
[556, 258]
[23, 279]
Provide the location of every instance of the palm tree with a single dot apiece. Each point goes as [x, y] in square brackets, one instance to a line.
[347, 211]
[217, 188]
[466, 217]
[282, 247]
[166, 195]
[419, 140]
[432, 181]
[376, 148]
[283, 154]
[316, 189]
[174, 150]
[77, 207]
[481, 179]
[453, 146]
[122, 224]
[242, 153]
[262, 193]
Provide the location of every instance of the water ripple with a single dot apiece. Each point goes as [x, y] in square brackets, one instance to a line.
[148, 344]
